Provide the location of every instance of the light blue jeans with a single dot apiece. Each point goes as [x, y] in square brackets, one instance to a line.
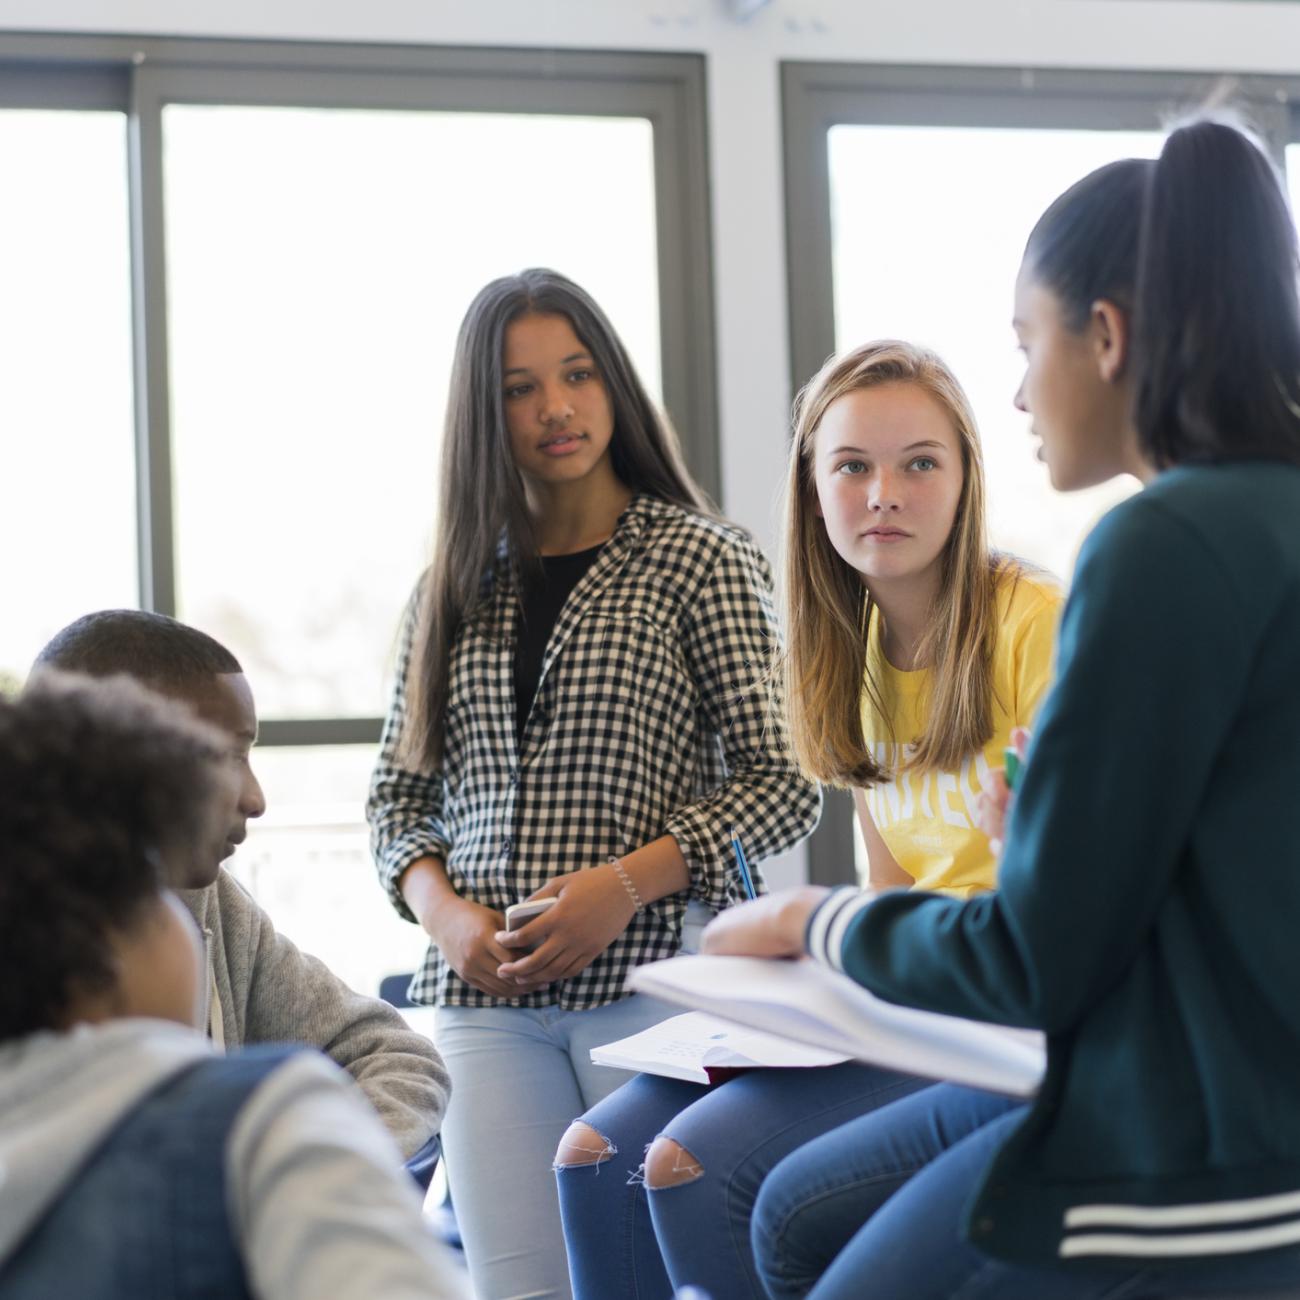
[518, 1077]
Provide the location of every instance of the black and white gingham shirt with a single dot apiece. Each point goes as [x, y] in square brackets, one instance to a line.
[652, 716]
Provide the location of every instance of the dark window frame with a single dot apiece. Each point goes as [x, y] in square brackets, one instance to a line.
[139, 76]
[818, 96]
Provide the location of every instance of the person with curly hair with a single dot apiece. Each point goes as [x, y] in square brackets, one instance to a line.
[136, 1159]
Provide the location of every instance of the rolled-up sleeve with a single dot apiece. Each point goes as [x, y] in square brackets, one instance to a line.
[404, 807]
[731, 640]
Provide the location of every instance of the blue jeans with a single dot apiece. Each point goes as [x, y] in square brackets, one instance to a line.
[883, 1197]
[518, 1077]
[625, 1240]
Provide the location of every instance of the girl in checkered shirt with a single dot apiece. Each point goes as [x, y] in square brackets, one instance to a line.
[583, 711]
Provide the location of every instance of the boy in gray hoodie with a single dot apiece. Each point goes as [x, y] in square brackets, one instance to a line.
[136, 1159]
[260, 987]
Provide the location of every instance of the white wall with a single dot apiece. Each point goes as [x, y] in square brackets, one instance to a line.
[744, 107]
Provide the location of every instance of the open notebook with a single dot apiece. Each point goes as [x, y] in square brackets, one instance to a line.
[806, 1003]
[703, 1049]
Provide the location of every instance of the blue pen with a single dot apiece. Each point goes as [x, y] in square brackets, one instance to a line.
[742, 864]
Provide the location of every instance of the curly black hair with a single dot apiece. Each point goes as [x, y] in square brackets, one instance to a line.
[99, 783]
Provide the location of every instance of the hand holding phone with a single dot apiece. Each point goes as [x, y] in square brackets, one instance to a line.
[520, 914]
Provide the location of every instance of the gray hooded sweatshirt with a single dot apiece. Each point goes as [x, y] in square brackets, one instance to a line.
[302, 1158]
[264, 989]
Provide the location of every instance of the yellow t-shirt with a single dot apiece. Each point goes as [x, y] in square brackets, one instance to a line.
[927, 819]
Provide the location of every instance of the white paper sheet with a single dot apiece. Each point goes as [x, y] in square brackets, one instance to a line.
[807, 1003]
[690, 1045]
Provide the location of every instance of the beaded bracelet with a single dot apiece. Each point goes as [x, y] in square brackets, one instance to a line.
[627, 884]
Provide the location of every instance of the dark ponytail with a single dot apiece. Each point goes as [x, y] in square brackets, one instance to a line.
[1199, 248]
[1085, 246]
[1217, 320]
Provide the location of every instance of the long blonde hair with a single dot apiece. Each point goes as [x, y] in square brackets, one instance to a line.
[828, 607]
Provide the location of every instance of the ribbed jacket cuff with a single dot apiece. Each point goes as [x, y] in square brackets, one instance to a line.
[827, 926]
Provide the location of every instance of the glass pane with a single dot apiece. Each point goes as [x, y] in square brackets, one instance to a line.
[929, 225]
[1293, 177]
[307, 861]
[67, 461]
[319, 263]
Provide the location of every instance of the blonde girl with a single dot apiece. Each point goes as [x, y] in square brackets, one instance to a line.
[914, 651]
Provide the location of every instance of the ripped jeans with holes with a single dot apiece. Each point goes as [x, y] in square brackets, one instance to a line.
[658, 1182]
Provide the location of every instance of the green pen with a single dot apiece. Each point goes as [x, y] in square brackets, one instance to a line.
[1011, 765]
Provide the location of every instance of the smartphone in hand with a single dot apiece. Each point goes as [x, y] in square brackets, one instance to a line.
[521, 913]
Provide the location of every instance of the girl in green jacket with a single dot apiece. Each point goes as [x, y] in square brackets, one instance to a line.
[1149, 893]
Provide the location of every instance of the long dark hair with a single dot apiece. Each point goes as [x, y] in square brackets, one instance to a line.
[1200, 250]
[481, 493]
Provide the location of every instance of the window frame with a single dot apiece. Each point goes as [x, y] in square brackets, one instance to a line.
[141, 76]
[818, 96]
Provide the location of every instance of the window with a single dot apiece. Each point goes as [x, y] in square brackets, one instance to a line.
[1292, 156]
[313, 311]
[67, 476]
[910, 195]
[280, 250]
[307, 861]
[939, 270]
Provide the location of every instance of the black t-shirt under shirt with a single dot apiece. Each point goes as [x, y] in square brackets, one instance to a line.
[544, 594]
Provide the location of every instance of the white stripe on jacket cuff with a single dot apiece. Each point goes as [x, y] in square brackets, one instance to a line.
[824, 938]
